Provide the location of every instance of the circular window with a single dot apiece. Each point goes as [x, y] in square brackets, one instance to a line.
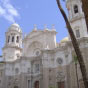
[59, 60]
[37, 52]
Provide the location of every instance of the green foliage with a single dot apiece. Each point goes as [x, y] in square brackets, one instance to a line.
[75, 59]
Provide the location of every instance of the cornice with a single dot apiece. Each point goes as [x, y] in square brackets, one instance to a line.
[40, 32]
[76, 18]
[31, 59]
[15, 47]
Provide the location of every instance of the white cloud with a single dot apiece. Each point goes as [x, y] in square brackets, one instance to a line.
[2, 11]
[8, 11]
[9, 18]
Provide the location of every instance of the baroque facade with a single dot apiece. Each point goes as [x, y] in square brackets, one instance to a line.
[38, 61]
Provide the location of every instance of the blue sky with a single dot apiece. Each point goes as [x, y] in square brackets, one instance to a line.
[29, 12]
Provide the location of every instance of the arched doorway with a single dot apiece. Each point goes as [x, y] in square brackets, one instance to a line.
[61, 84]
[16, 87]
[36, 84]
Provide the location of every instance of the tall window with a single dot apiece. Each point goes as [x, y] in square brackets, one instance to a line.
[8, 39]
[17, 39]
[77, 33]
[1, 74]
[18, 55]
[28, 83]
[16, 70]
[0, 81]
[29, 70]
[12, 38]
[75, 9]
[36, 67]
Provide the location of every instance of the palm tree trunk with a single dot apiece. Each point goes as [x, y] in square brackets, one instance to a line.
[85, 10]
[75, 45]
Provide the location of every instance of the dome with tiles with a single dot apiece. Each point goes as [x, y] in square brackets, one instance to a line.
[64, 40]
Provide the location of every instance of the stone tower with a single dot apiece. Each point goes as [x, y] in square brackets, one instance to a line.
[76, 18]
[12, 49]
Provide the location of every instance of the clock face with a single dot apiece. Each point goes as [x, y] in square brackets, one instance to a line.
[59, 60]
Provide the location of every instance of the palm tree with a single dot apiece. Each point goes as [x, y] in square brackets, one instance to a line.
[75, 45]
[85, 10]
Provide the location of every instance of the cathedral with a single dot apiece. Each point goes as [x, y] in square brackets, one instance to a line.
[38, 61]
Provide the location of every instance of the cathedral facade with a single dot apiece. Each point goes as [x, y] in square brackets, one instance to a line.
[38, 61]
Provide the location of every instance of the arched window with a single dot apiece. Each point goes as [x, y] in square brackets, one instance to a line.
[75, 9]
[17, 39]
[12, 38]
[16, 70]
[77, 33]
[8, 39]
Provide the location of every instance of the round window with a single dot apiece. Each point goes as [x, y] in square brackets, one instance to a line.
[37, 52]
[59, 60]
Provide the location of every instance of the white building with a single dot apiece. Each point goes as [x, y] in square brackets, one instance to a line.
[38, 61]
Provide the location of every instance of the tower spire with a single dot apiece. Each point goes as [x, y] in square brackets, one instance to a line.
[53, 27]
[35, 27]
[45, 27]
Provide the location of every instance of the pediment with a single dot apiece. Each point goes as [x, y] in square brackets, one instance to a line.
[34, 34]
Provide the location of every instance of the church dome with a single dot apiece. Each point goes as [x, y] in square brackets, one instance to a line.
[64, 40]
[16, 27]
[15, 24]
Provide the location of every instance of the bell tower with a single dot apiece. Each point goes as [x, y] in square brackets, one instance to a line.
[76, 18]
[12, 49]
